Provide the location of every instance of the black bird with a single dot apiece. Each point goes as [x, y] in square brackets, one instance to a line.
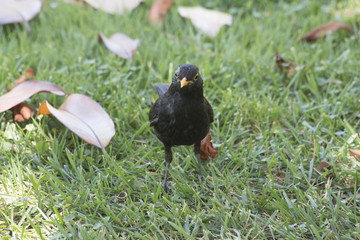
[182, 115]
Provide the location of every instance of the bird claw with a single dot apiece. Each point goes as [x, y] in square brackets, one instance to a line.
[204, 185]
[166, 189]
[202, 179]
[202, 182]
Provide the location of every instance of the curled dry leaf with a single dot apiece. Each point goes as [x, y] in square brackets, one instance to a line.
[23, 111]
[322, 30]
[25, 90]
[208, 21]
[84, 117]
[355, 153]
[207, 150]
[114, 6]
[158, 9]
[289, 67]
[284, 65]
[323, 165]
[120, 44]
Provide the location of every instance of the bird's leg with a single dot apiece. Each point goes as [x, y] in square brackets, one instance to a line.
[197, 154]
[168, 158]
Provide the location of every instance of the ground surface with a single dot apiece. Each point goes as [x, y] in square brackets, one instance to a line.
[271, 130]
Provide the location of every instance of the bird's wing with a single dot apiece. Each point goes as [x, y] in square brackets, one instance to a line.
[209, 110]
[154, 113]
[161, 88]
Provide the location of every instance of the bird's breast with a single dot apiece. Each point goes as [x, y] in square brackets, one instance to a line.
[182, 122]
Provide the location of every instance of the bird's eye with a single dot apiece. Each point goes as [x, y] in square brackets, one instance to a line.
[176, 75]
[196, 77]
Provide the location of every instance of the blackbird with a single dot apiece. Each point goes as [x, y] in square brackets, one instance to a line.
[182, 115]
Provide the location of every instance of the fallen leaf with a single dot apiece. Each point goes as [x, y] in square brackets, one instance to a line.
[208, 21]
[158, 9]
[25, 90]
[282, 64]
[322, 30]
[323, 165]
[355, 153]
[22, 112]
[161, 88]
[84, 117]
[120, 44]
[13, 11]
[207, 150]
[114, 6]
[29, 74]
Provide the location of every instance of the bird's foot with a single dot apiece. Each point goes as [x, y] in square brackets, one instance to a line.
[203, 183]
[166, 189]
[201, 177]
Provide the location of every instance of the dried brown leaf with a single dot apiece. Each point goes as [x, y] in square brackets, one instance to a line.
[120, 44]
[284, 65]
[207, 150]
[322, 30]
[25, 90]
[84, 117]
[355, 153]
[114, 6]
[323, 165]
[158, 10]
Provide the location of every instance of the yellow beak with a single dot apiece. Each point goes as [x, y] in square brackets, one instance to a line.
[184, 82]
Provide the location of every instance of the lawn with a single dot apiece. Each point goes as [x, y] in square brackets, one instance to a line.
[272, 129]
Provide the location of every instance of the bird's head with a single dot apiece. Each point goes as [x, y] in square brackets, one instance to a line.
[187, 77]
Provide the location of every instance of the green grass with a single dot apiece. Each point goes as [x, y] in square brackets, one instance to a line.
[271, 130]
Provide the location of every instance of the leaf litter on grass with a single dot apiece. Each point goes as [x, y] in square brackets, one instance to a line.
[23, 111]
[84, 117]
[324, 29]
[25, 90]
[207, 21]
[12, 11]
[158, 9]
[114, 6]
[243, 202]
[120, 44]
